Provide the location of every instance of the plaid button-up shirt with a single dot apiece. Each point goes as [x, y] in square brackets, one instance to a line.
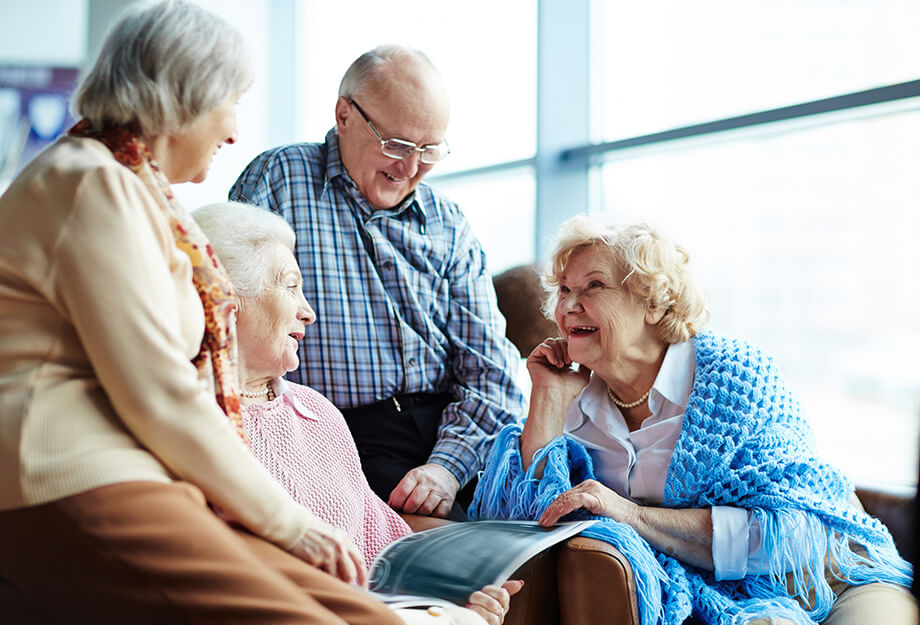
[403, 299]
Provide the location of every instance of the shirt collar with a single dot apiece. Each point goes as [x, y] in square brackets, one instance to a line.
[335, 168]
[587, 404]
[673, 383]
[334, 165]
[283, 389]
[675, 377]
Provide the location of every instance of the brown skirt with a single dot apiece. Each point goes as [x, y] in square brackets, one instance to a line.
[146, 552]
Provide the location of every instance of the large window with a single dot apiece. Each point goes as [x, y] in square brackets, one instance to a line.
[807, 242]
[670, 63]
[500, 211]
[803, 230]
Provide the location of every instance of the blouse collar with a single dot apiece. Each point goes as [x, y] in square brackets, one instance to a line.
[673, 385]
[283, 390]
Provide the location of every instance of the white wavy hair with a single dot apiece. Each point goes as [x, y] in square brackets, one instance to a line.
[652, 267]
[240, 234]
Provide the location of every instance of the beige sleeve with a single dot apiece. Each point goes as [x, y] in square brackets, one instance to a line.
[111, 277]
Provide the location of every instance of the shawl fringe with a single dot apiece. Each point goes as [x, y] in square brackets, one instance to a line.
[668, 590]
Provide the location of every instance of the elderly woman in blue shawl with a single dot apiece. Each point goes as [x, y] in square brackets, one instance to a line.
[689, 447]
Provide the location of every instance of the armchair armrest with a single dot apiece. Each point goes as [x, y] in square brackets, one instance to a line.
[419, 523]
[596, 584]
[894, 510]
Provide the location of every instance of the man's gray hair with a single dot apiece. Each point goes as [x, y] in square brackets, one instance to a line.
[240, 235]
[366, 67]
[162, 65]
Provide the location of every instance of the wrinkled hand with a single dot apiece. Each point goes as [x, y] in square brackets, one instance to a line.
[594, 497]
[549, 365]
[492, 602]
[428, 490]
[330, 549]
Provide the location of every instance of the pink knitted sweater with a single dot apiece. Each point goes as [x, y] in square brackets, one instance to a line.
[304, 442]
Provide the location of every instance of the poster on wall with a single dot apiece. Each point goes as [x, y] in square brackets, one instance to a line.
[33, 112]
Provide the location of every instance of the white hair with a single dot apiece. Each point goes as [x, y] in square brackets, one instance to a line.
[162, 65]
[240, 235]
[360, 73]
[653, 269]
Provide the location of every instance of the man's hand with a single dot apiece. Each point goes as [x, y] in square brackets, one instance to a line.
[428, 490]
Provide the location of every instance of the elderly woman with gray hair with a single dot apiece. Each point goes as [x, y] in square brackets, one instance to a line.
[292, 429]
[688, 447]
[128, 492]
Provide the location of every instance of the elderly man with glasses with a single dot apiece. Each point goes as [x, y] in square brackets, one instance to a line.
[409, 342]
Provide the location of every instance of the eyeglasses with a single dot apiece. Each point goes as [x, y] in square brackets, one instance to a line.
[401, 149]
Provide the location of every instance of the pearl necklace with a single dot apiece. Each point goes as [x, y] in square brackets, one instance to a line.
[257, 394]
[631, 404]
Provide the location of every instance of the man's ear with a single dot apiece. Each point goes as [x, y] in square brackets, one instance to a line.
[342, 112]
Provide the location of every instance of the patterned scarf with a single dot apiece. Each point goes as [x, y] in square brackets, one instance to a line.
[216, 361]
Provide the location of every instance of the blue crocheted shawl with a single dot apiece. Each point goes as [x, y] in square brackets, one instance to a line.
[743, 443]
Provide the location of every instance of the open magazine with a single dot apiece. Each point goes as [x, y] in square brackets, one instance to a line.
[449, 563]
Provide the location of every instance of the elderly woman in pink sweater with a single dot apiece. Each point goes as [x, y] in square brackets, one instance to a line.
[295, 432]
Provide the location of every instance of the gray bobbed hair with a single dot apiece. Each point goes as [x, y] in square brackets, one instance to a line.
[240, 235]
[162, 65]
[360, 73]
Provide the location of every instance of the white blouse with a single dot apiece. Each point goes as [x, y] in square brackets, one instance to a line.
[635, 464]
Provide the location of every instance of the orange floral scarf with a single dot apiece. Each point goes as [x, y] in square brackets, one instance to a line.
[216, 361]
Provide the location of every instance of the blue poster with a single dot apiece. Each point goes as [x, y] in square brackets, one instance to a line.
[33, 112]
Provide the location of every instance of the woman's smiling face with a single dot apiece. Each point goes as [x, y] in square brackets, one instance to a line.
[598, 316]
[271, 325]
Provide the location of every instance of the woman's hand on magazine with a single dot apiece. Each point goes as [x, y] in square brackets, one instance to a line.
[492, 602]
[594, 497]
[330, 549]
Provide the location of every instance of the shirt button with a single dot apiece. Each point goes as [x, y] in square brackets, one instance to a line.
[387, 265]
[412, 362]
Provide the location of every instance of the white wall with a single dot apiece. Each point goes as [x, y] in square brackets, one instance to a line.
[49, 32]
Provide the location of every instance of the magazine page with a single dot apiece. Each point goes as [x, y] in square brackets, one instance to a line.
[410, 601]
[453, 561]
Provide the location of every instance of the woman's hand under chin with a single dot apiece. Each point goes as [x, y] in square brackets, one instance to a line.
[550, 367]
[555, 386]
